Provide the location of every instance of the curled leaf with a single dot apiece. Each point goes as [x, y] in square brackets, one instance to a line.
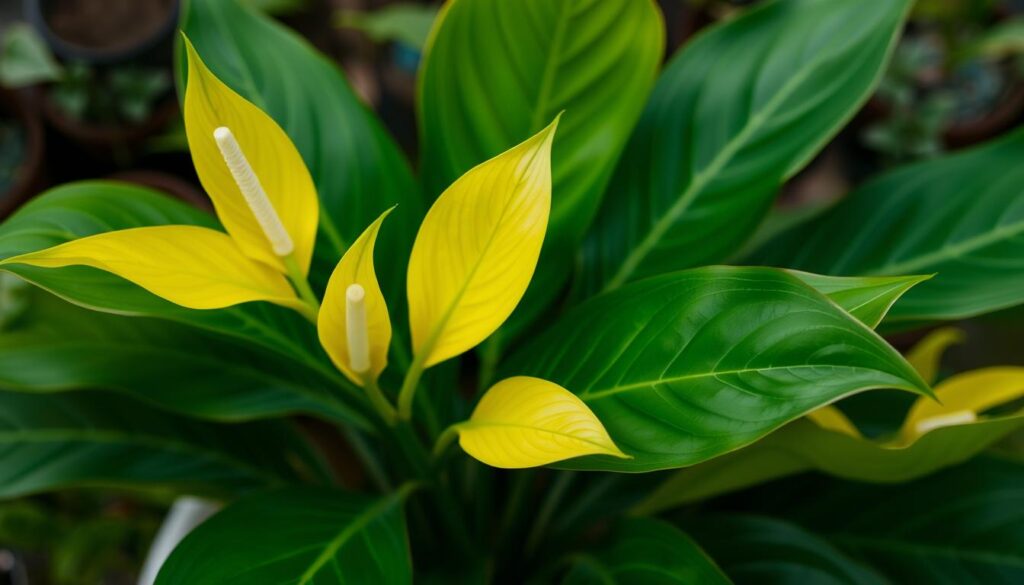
[527, 422]
[477, 249]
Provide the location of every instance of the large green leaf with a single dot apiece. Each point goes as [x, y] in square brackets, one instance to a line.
[687, 366]
[961, 217]
[358, 170]
[758, 550]
[646, 551]
[300, 536]
[964, 525]
[482, 93]
[55, 346]
[88, 438]
[738, 111]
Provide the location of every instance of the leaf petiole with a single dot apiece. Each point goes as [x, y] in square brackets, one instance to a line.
[302, 288]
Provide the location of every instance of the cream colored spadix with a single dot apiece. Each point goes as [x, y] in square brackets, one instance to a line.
[354, 325]
[527, 422]
[251, 189]
[477, 248]
[358, 335]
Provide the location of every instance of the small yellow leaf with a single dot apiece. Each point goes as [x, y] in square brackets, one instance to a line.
[526, 422]
[477, 249]
[927, 354]
[210, 104]
[191, 266]
[963, 398]
[356, 267]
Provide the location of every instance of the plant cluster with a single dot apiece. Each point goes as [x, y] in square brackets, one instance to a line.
[349, 356]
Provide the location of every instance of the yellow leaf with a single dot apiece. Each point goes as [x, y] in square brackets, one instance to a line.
[192, 266]
[526, 422]
[926, 355]
[356, 267]
[477, 249]
[210, 104]
[962, 399]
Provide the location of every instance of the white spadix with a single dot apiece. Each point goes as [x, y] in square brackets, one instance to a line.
[356, 330]
[252, 191]
[944, 420]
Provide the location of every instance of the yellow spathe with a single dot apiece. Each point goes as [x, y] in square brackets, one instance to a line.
[477, 248]
[210, 104]
[356, 267]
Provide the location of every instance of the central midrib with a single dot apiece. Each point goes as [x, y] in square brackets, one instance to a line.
[592, 395]
[927, 261]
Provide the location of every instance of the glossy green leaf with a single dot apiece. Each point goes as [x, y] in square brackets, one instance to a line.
[757, 550]
[960, 217]
[482, 93]
[646, 551]
[867, 299]
[738, 111]
[298, 535]
[55, 346]
[358, 170]
[88, 438]
[688, 366]
[964, 525]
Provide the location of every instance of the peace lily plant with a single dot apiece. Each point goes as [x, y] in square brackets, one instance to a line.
[550, 294]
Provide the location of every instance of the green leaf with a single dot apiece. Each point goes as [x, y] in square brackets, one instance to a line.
[81, 209]
[89, 438]
[961, 217]
[25, 59]
[482, 93]
[646, 551]
[55, 346]
[867, 299]
[766, 551]
[688, 366]
[408, 24]
[741, 109]
[300, 536]
[358, 170]
[961, 526]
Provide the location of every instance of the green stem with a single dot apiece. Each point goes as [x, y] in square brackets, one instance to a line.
[302, 288]
[379, 401]
[445, 439]
[409, 384]
[490, 354]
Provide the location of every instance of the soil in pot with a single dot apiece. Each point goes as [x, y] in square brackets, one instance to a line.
[107, 25]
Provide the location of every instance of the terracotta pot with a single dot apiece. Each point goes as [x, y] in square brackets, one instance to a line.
[21, 107]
